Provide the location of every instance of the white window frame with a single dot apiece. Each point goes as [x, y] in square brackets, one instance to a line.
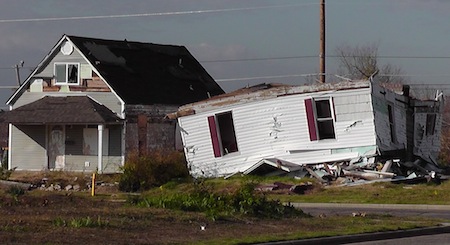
[320, 119]
[67, 64]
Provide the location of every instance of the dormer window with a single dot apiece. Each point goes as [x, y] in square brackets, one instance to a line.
[67, 73]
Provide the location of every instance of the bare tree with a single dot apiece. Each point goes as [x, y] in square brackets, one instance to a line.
[361, 62]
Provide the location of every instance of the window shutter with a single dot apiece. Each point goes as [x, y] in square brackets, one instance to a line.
[214, 136]
[311, 120]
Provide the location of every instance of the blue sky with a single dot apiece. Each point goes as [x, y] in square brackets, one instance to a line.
[260, 36]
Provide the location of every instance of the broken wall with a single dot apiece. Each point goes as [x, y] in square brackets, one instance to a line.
[146, 128]
[390, 119]
[427, 129]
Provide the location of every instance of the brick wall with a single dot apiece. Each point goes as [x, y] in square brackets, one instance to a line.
[147, 129]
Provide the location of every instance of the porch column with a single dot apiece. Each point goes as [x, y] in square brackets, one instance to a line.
[100, 147]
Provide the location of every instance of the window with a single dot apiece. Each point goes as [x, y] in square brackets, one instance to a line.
[320, 116]
[392, 124]
[431, 123]
[67, 73]
[223, 136]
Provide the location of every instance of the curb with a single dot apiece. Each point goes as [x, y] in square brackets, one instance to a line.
[369, 206]
[376, 236]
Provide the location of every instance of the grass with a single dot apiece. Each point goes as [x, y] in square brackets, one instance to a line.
[42, 216]
[80, 222]
[327, 227]
[377, 193]
[380, 193]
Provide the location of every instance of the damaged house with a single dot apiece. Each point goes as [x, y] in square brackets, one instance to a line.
[271, 128]
[92, 101]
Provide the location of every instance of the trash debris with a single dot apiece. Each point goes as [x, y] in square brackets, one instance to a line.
[358, 171]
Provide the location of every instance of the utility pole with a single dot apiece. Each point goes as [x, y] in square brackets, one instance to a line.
[322, 41]
[16, 67]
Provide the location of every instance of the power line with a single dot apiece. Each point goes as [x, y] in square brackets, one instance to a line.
[293, 57]
[328, 56]
[317, 74]
[151, 14]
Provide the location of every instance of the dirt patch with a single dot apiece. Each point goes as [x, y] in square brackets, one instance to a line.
[61, 217]
[43, 217]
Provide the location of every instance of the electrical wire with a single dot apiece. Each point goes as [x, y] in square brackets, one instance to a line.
[190, 12]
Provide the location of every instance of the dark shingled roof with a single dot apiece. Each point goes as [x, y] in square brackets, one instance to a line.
[66, 110]
[147, 73]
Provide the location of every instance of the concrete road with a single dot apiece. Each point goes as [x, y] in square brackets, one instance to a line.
[441, 239]
[433, 235]
[435, 211]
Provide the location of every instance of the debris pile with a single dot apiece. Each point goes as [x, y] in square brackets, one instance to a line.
[301, 188]
[366, 170]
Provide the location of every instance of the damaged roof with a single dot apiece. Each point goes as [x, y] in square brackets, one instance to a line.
[142, 73]
[263, 92]
[66, 110]
[147, 73]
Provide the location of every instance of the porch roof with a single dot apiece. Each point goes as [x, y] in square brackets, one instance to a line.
[62, 110]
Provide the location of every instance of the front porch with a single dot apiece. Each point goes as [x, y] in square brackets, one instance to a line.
[65, 133]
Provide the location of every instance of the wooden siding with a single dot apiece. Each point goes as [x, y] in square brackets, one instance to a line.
[75, 57]
[277, 127]
[111, 164]
[99, 90]
[426, 146]
[382, 98]
[28, 148]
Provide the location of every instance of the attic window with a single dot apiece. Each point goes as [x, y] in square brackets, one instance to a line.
[67, 73]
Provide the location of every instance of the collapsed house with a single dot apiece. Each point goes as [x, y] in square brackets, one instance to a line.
[316, 130]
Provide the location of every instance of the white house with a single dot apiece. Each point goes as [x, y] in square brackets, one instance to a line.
[297, 125]
[91, 101]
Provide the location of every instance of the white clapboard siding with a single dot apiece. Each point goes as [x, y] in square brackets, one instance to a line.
[28, 148]
[74, 57]
[275, 127]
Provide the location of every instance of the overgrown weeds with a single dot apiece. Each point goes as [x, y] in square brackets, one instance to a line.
[142, 172]
[5, 173]
[15, 192]
[80, 222]
[243, 201]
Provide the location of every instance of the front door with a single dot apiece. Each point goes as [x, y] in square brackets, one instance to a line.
[56, 147]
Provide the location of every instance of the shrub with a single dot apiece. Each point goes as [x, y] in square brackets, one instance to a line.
[5, 173]
[244, 201]
[152, 169]
[15, 191]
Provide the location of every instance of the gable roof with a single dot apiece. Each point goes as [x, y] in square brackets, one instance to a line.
[67, 109]
[143, 73]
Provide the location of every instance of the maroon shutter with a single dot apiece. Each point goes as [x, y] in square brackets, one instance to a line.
[311, 119]
[214, 137]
